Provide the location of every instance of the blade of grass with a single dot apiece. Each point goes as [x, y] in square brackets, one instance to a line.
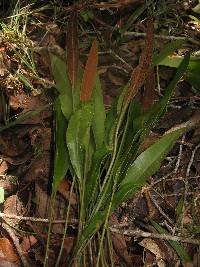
[167, 50]
[23, 117]
[62, 84]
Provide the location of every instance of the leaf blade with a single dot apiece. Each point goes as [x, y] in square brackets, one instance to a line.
[146, 164]
[98, 124]
[61, 161]
[63, 85]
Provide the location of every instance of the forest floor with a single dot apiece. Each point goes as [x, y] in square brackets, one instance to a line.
[170, 199]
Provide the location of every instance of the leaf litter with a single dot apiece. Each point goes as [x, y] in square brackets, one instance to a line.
[34, 138]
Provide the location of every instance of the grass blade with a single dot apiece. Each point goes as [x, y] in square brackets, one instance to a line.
[167, 50]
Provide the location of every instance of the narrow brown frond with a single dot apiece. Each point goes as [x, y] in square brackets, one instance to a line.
[90, 72]
[149, 94]
[72, 48]
[140, 73]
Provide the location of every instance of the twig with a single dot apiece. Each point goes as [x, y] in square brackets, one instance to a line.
[164, 37]
[16, 244]
[121, 59]
[33, 219]
[191, 160]
[159, 208]
[179, 154]
[139, 233]
[102, 5]
[186, 181]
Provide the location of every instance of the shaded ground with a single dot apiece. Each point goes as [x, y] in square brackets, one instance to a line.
[171, 197]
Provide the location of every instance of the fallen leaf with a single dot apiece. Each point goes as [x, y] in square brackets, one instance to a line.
[40, 137]
[68, 244]
[119, 243]
[13, 205]
[7, 252]
[3, 167]
[153, 247]
[64, 190]
[28, 242]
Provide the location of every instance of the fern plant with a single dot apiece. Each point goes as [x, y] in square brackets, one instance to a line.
[100, 149]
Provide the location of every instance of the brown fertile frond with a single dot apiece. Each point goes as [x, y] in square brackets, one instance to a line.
[90, 73]
[72, 48]
[140, 73]
[149, 93]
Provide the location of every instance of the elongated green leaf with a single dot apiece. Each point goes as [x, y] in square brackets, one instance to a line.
[26, 82]
[94, 176]
[167, 50]
[146, 164]
[73, 143]
[78, 136]
[91, 228]
[176, 246]
[63, 84]
[148, 120]
[192, 76]
[76, 92]
[61, 162]
[134, 16]
[23, 117]
[99, 115]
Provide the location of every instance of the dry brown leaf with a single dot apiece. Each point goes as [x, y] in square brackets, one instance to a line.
[28, 242]
[64, 190]
[3, 167]
[90, 73]
[141, 71]
[149, 94]
[68, 244]
[7, 252]
[119, 243]
[13, 205]
[40, 137]
[72, 48]
[4, 62]
[153, 247]
[115, 79]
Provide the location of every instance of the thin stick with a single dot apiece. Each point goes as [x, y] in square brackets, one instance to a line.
[16, 244]
[164, 37]
[139, 233]
[34, 219]
[179, 154]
